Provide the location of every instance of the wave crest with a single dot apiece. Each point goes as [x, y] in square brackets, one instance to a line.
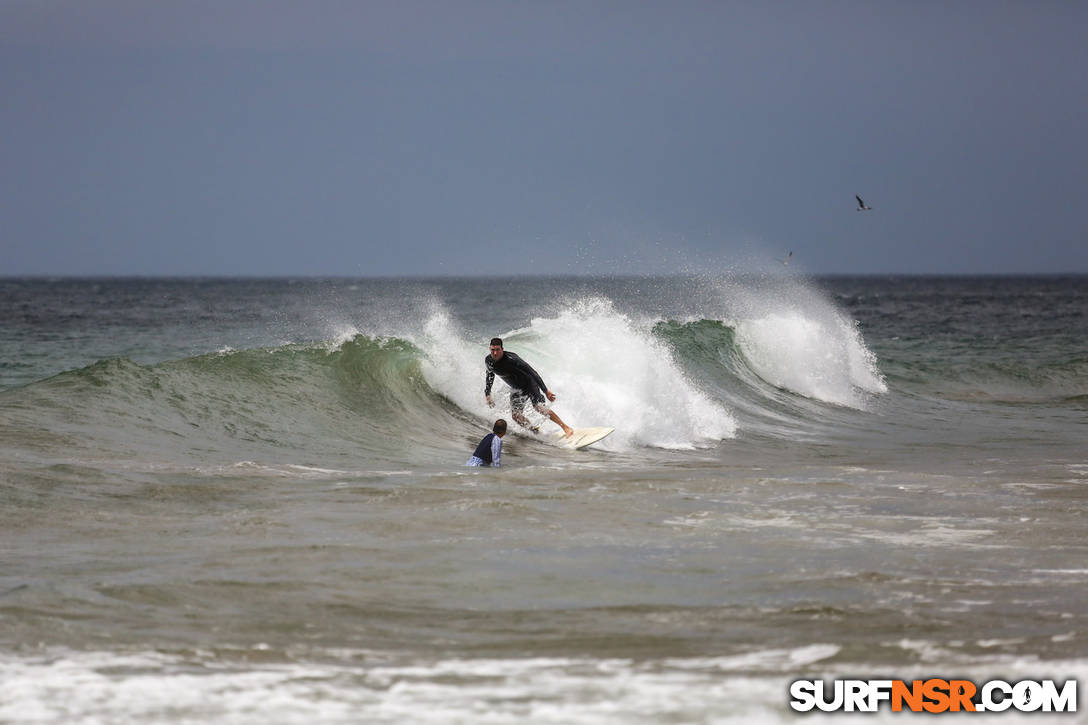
[821, 359]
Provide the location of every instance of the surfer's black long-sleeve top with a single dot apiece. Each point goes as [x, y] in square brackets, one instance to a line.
[515, 372]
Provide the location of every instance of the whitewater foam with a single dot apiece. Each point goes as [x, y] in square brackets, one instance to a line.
[821, 359]
[348, 687]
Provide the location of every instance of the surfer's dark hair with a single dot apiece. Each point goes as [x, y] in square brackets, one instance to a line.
[500, 427]
[496, 341]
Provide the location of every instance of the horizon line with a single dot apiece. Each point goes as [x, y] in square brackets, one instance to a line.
[379, 277]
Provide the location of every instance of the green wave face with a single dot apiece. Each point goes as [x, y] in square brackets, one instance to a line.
[365, 394]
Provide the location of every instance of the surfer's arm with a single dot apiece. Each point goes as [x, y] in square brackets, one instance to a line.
[496, 451]
[489, 380]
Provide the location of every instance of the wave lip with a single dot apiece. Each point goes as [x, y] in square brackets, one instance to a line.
[824, 360]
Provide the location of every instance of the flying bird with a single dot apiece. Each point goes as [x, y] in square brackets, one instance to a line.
[861, 204]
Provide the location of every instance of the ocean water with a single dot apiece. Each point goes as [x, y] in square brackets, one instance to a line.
[244, 501]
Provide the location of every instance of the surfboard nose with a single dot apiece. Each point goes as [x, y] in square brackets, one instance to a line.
[583, 437]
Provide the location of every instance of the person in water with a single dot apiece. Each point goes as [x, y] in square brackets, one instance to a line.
[489, 452]
[525, 385]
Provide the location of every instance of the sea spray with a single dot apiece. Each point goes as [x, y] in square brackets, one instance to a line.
[821, 359]
[794, 338]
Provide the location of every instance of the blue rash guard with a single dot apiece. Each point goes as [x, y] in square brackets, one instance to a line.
[488, 453]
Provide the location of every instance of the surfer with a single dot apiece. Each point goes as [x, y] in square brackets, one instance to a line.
[525, 384]
[489, 452]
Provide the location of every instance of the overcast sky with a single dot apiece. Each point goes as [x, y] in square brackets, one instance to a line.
[265, 137]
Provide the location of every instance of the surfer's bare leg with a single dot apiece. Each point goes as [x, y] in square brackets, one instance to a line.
[567, 430]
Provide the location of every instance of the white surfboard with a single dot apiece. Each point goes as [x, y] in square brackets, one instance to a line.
[582, 437]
